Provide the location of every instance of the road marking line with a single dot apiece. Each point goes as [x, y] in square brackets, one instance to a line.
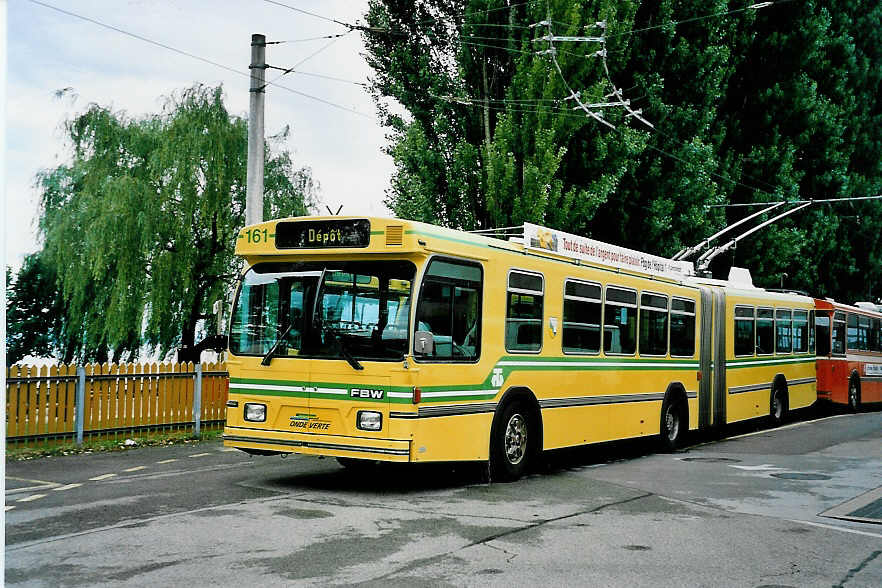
[785, 427]
[68, 487]
[40, 485]
[167, 460]
[225, 449]
[8, 508]
[835, 528]
[102, 477]
[200, 454]
[136, 469]
[31, 498]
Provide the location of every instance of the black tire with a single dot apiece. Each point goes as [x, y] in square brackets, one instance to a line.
[354, 464]
[673, 425]
[512, 443]
[777, 407]
[854, 395]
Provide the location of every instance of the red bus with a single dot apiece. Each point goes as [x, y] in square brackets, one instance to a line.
[849, 348]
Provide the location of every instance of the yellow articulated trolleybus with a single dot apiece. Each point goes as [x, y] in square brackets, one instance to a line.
[383, 339]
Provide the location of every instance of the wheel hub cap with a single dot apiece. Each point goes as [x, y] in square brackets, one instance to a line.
[672, 424]
[515, 439]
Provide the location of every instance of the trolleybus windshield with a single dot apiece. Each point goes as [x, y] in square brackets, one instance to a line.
[359, 310]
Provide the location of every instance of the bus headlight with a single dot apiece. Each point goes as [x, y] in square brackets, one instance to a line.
[256, 413]
[369, 420]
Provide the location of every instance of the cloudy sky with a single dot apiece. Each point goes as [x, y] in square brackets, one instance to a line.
[48, 50]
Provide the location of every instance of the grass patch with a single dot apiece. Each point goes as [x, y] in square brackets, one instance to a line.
[122, 443]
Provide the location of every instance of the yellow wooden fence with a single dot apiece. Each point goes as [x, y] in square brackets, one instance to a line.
[117, 399]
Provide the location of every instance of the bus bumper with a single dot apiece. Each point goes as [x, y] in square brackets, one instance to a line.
[312, 444]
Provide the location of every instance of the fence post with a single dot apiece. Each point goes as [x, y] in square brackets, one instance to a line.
[197, 401]
[81, 402]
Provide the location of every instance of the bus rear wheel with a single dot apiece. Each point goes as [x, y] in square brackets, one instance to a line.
[854, 395]
[512, 444]
[673, 425]
[777, 408]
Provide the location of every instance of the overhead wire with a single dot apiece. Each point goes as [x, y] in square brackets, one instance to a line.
[453, 99]
[350, 26]
[755, 6]
[616, 93]
[308, 39]
[194, 56]
[812, 200]
[308, 13]
[305, 59]
[463, 14]
[331, 78]
[569, 114]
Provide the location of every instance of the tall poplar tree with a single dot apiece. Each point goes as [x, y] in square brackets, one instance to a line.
[488, 139]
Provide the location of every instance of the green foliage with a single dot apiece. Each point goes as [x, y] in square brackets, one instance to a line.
[140, 226]
[485, 143]
[34, 313]
[803, 119]
[777, 103]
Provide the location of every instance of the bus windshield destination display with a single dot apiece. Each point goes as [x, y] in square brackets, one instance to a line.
[323, 234]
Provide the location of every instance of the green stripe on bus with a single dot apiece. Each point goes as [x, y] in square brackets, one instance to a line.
[544, 364]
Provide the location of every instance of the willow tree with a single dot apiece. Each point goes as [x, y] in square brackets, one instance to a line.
[140, 226]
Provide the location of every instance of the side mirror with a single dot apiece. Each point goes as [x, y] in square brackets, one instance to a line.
[423, 343]
[214, 342]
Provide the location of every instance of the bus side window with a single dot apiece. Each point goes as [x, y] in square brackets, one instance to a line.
[523, 313]
[620, 321]
[653, 324]
[581, 317]
[800, 331]
[822, 333]
[811, 331]
[876, 335]
[839, 333]
[864, 325]
[852, 332]
[765, 331]
[745, 331]
[682, 327]
[784, 331]
[450, 310]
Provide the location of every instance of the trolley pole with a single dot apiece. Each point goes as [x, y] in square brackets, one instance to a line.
[254, 186]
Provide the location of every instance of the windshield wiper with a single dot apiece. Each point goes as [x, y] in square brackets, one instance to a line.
[269, 354]
[347, 355]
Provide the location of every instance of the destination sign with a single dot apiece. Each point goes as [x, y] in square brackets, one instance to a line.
[323, 234]
[585, 249]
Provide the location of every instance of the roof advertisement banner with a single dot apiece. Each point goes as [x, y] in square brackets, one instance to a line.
[582, 248]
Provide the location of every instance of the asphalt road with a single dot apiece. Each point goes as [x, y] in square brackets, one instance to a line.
[794, 506]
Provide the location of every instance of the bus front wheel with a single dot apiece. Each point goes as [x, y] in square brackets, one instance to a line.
[512, 444]
[854, 395]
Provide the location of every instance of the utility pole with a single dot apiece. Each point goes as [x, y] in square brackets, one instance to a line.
[254, 178]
